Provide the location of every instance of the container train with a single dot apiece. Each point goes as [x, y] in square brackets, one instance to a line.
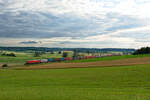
[59, 59]
[67, 59]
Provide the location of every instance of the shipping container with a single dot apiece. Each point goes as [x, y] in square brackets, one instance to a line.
[90, 56]
[44, 60]
[75, 58]
[57, 59]
[78, 58]
[62, 59]
[81, 57]
[97, 56]
[69, 58]
[50, 60]
[33, 62]
[84, 57]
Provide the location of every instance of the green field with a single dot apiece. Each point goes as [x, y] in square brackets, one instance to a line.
[107, 83]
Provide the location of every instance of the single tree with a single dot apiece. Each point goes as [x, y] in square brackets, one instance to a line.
[65, 54]
[59, 52]
[52, 52]
[37, 54]
[75, 53]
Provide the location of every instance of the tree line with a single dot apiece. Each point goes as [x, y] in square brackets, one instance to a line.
[82, 50]
[143, 50]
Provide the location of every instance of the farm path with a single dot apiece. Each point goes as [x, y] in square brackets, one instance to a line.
[124, 62]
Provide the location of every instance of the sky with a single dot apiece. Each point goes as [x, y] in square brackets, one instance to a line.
[75, 23]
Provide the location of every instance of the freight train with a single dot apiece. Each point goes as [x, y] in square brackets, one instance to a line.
[67, 59]
[59, 59]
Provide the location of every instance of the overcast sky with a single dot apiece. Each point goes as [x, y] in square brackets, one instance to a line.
[75, 23]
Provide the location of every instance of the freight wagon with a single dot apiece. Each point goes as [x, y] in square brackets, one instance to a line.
[69, 58]
[62, 59]
[57, 59]
[33, 61]
[50, 60]
[44, 60]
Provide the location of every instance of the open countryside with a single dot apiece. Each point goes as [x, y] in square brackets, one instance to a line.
[74, 50]
[124, 77]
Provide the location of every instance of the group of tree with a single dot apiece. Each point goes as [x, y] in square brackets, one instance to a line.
[38, 53]
[8, 54]
[143, 50]
[82, 50]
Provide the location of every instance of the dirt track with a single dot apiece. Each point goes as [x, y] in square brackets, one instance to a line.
[131, 61]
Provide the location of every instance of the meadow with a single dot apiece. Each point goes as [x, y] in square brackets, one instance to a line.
[106, 83]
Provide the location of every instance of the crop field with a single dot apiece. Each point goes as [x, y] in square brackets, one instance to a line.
[105, 83]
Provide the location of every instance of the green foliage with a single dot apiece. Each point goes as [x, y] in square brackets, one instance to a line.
[12, 55]
[109, 83]
[52, 52]
[75, 53]
[59, 52]
[8, 54]
[4, 65]
[143, 50]
[37, 54]
[65, 54]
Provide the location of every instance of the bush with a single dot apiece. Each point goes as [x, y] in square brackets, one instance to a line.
[4, 65]
[11, 54]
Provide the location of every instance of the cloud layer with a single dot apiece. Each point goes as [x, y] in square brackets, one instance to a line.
[75, 23]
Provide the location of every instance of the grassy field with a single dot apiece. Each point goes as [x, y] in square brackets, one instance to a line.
[107, 83]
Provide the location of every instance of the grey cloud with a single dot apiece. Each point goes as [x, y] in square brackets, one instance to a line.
[123, 22]
[16, 23]
[32, 25]
[36, 24]
[30, 42]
